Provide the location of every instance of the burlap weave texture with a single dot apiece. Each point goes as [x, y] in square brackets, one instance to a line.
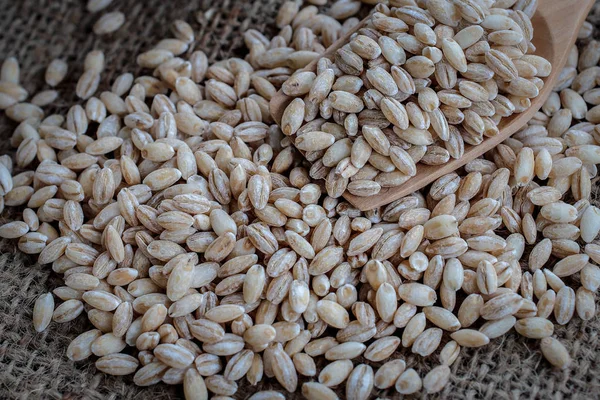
[35, 366]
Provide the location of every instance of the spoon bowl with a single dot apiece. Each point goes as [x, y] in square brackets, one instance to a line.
[556, 24]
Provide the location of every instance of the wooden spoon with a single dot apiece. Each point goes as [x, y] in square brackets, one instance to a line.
[556, 24]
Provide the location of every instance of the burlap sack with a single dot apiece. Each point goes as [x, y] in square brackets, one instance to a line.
[34, 365]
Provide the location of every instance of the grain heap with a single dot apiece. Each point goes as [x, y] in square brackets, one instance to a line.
[412, 86]
[189, 230]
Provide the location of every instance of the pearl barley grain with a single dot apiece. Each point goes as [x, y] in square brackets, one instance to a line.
[193, 233]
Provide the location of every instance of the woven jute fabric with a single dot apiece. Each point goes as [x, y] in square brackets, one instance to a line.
[35, 366]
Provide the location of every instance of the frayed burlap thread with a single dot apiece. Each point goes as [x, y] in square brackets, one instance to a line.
[34, 366]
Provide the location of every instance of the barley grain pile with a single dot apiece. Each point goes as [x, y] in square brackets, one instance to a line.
[412, 86]
[190, 232]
